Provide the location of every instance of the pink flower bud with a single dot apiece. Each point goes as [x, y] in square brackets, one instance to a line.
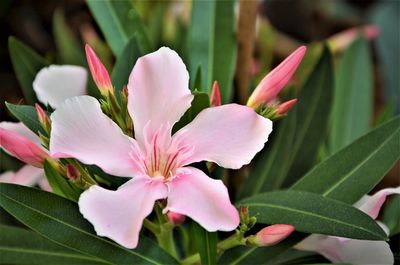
[72, 172]
[343, 39]
[99, 72]
[215, 95]
[22, 148]
[284, 107]
[176, 218]
[272, 234]
[274, 82]
[42, 116]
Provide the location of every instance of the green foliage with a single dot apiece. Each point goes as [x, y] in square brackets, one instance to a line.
[27, 64]
[356, 169]
[21, 246]
[206, 244]
[391, 215]
[212, 44]
[27, 115]
[59, 220]
[352, 111]
[119, 21]
[313, 213]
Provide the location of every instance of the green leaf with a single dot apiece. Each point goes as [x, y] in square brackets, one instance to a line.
[27, 115]
[200, 102]
[272, 164]
[59, 220]
[68, 47]
[256, 255]
[391, 215]
[59, 184]
[356, 169]
[21, 246]
[124, 64]
[9, 163]
[119, 21]
[27, 64]
[313, 213]
[206, 244]
[212, 44]
[352, 110]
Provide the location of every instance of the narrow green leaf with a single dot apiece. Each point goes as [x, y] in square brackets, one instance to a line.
[27, 64]
[21, 246]
[59, 220]
[125, 63]
[212, 44]
[391, 215]
[312, 117]
[206, 244]
[352, 110]
[356, 169]
[313, 213]
[119, 21]
[27, 115]
[68, 46]
[272, 164]
[9, 163]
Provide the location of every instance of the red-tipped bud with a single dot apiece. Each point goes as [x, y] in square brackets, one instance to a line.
[284, 107]
[343, 39]
[43, 118]
[22, 148]
[215, 99]
[99, 72]
[176, 218]
[276, 80]
[272, 235]
[72, 172]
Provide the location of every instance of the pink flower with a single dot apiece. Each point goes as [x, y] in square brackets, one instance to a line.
[99, 72]
[215, 98]
[284, 107]
[273, 83]
[343, 39]
[345, 250]
[158, 162]
[273, 234]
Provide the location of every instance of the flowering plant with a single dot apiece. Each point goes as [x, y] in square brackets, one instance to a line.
[156, 166]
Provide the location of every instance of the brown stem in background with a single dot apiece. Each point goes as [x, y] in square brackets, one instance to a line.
[246, 32]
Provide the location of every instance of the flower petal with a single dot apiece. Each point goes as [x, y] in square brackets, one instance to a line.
[119, 214]
[229, 135]
[26, 176]
[203, 199]
[158, 90]
[81, 130]
[56, 83]
[371, 205]
[20, 129]
[22, 148]
[348, 251]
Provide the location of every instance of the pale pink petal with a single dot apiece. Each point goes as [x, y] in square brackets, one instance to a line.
[22, 130]
[81, 130]
[348, 251]
[56, 83]
[22, 148]
[371, 205]
[205, 200]
[26, 176]
[158, 90]
[229, 135]
[119, 214]
[273, 83]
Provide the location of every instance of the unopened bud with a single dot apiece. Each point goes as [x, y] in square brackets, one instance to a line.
[176, 218]
[99, 72]
[215, 98]
[72, 172]
[271, 235]
[244, 214]
[284, 107]
[44, 120]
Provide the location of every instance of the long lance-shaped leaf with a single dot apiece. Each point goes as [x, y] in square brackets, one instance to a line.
[212, 44]
[26, 63]
[352, 110]
[21, 246]
[59, 220]
[206, 244]
[313, 213]
[119, 21]
[27, 115]
[356, 169]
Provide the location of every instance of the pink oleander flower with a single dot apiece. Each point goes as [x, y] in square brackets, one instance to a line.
[26, 176]
[345, 250]
[275, 81]
[157, 162]
[272, 235]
